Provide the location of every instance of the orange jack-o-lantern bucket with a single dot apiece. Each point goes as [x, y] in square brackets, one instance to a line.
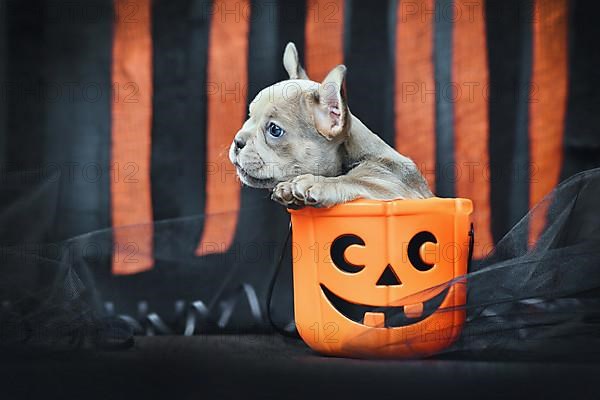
[378, 279]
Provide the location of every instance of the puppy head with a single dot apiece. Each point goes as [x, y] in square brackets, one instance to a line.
[294, 127]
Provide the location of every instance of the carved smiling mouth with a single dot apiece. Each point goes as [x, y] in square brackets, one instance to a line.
[389, 317]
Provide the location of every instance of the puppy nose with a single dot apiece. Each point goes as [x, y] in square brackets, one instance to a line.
[239, 143]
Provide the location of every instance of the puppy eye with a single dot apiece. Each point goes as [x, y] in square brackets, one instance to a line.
[275, 130]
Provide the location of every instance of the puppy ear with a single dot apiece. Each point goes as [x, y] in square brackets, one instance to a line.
[291, 62]
[330, 107]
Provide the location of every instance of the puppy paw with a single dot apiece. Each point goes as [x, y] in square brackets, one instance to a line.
[283, 194]
[307, 190]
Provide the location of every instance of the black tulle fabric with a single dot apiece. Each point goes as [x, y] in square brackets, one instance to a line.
[531, 300]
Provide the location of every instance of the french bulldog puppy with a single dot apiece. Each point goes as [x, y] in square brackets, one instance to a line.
[302, 143]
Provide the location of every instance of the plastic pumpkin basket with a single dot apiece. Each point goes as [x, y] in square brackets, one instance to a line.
[371, 278]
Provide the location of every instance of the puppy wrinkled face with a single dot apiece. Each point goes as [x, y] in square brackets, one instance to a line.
[280, 141]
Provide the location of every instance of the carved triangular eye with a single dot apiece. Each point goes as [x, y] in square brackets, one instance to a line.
[388, 278]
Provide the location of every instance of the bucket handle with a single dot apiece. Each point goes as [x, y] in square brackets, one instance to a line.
[471, 245]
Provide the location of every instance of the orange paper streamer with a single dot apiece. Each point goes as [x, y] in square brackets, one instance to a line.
[131, 200]
[548, 103]
[227, 81]
[415, 86]
[471, 120]
[324, 33]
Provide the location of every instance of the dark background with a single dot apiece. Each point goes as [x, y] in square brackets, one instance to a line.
[50, 44]
[55, 55]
